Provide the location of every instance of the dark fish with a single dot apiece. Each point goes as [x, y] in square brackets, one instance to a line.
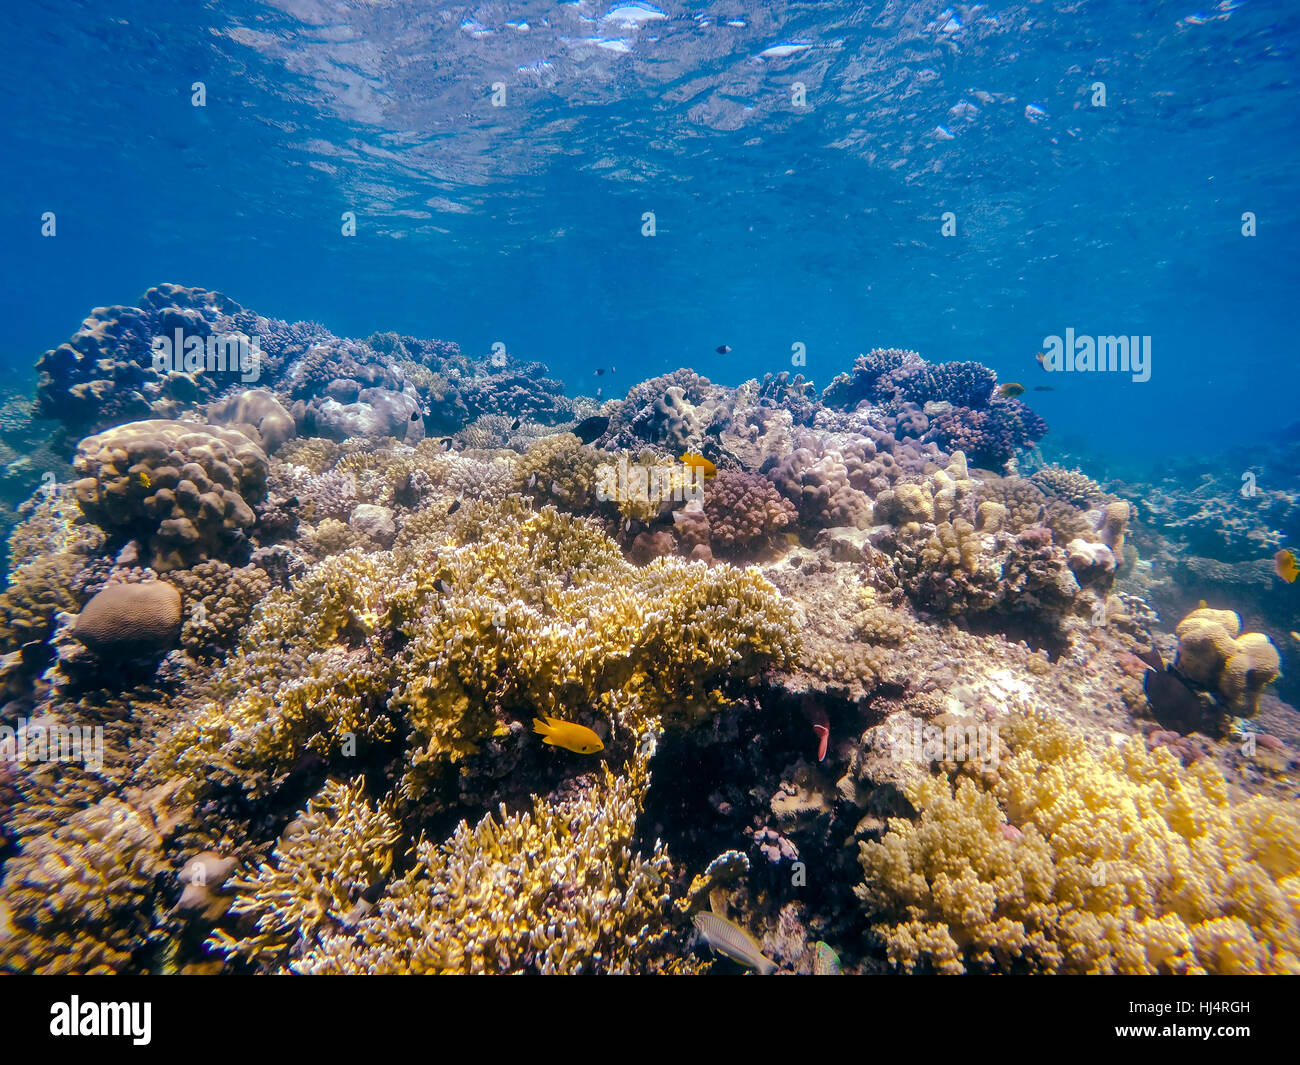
[444, 587]
[453, 508]
[723, 349]
[446, 443]
[1173, 701]
[515, 424]
[600, 371]
[415, 415]
[1011, 389]
[1044, 388]
[589, 429]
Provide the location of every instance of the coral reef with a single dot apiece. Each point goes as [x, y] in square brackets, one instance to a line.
[187, 490]
[1084, 861]
[1213, 652]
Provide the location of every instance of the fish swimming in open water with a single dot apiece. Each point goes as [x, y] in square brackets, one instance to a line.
[568, 734]
[731, 941]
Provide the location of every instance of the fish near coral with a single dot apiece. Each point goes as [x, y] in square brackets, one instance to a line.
[731, 941]
[825, 961]
[1286, 566]
[1011, 389]
[702, 466]
[567, 734]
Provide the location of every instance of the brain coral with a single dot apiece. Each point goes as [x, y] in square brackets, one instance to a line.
[1085, 861]
[186, 489]
[1238, 667]
[144, 617]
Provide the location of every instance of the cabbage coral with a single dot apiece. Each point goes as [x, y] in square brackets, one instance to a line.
[1085, 861]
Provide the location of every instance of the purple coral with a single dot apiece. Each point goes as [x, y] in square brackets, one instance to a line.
[745, 511]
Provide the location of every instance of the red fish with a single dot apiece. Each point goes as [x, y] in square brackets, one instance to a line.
[816, 714]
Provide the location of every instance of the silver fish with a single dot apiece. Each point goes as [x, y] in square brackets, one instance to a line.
[732, 941]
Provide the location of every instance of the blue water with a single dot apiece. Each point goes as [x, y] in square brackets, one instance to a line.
[776, 225]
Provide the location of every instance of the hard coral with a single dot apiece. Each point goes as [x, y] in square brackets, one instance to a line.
[557, 890]
[1123, 861]
[745, 511]
[1237, 667]
[186, 488]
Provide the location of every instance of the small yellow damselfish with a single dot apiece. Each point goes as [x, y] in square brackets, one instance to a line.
[567, 734]
[702, 466]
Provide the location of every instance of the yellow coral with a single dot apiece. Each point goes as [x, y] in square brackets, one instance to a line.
[1238, 667]
[557, 890]
[1079, 861]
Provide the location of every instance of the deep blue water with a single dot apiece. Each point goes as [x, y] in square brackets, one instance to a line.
[776, 225]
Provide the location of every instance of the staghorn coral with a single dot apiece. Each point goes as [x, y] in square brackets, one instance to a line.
[335, 851]
[186, 488]
[1079, 861]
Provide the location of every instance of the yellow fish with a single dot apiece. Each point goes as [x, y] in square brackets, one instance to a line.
[702, 466]
[1011, 389]
[567, 734]
[1286, 566]
[145, 480]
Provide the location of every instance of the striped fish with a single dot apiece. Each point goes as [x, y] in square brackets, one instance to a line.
[825, 961]
[732, 941]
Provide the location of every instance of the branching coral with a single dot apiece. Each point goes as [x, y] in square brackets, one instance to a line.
[1118, 861]
[557, 890]
[82, 899]
[456, 635]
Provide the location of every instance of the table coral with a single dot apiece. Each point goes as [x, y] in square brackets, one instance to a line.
[1122, 861]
